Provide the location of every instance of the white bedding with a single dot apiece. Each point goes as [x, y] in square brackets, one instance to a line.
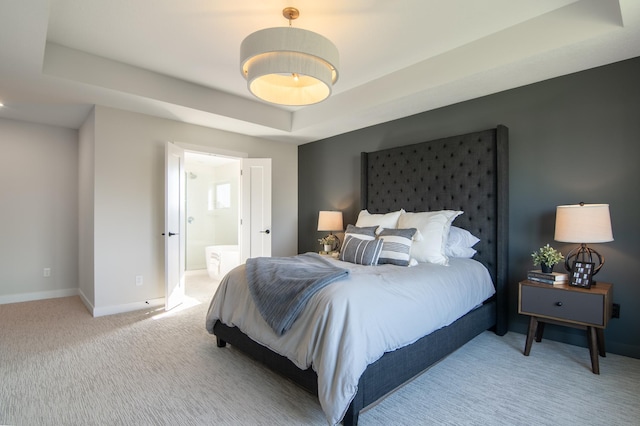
[351, 323]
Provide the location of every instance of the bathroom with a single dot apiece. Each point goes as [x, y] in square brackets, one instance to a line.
[212, 213]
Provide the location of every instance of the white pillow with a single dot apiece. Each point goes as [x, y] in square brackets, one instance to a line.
[388, 220]
[459, 237]
[434, 227]
[460, 243]
[462, 252]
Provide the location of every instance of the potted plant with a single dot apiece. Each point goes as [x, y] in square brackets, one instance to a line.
[328, 242]
[546, 257]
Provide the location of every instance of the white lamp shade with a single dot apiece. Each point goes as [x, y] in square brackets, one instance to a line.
[583, 223]
[330, 221]
[289, 66]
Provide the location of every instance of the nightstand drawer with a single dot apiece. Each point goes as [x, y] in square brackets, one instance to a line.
[581, 307]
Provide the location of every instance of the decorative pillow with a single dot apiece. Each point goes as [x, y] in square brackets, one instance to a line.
[359, 251]
[388, 220]
[460, 243]
[397, 246]
[364, 233]
[434, 227]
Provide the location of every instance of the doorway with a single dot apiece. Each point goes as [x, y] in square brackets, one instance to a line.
[212, 213]
[235, 188]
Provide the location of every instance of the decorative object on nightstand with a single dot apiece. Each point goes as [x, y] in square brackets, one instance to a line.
[583, 223]
[567, 306]
[581, 274]
[330, 221]
[547, 257]
[552, 278]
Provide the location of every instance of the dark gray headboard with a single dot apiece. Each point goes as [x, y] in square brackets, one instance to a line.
[467, 172]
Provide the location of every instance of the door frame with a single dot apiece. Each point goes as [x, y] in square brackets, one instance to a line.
[174, 226]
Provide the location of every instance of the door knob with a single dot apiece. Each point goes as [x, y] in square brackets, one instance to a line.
[170, 234]
[265, 232]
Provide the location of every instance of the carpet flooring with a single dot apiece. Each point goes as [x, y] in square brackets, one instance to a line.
[60, 366]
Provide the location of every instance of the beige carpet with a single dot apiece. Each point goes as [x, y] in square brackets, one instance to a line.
[60, 366]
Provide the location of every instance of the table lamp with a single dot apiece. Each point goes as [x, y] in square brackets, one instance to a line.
[583, 223]
[331, 221]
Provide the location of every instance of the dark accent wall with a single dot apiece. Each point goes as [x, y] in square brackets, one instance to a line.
[572, 138]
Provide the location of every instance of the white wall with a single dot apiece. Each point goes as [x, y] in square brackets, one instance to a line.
[129, 199]
[89, 204]
[38, 212]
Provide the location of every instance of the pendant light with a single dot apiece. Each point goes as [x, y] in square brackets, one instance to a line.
[289, 66]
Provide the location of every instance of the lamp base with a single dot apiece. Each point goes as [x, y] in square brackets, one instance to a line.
[583, 254]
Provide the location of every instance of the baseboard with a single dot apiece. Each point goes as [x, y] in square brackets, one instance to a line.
[87, 304]
[127, 307]
[95, 311]
[38, 295]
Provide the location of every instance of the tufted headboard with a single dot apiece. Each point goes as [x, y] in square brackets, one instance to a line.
[467, 172]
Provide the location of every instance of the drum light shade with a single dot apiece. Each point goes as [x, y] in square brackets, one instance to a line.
[330, 221]
[289, 66]
[583, 223]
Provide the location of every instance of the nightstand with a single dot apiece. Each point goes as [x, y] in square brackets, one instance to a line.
[587, 309]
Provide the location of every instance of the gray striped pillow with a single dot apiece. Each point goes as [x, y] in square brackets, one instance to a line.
[363, 232]
[359, 251]
[396, 246]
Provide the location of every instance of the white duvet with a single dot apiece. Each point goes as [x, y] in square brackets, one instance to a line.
[351, 323]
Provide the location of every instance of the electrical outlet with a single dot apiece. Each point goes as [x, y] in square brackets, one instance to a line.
[139, 280]
[615, 311]
[46, 272]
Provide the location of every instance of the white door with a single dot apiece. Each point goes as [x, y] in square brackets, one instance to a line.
[174, 226]
[255, 223]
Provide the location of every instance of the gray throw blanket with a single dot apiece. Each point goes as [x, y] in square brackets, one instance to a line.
[282, 286]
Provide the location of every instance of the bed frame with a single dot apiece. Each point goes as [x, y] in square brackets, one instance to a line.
[467, 172]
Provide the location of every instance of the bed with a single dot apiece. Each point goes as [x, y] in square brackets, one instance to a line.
[467, 173]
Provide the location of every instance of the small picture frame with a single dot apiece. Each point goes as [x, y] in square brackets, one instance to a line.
[581, 274]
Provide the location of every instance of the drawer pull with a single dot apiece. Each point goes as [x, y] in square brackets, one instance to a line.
[558, 303]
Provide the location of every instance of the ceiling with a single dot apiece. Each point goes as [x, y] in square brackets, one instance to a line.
[180, 59]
